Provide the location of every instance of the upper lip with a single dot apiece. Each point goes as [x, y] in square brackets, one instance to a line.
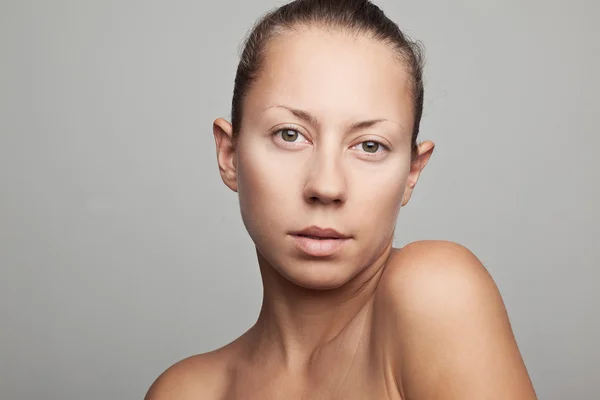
[315, 231]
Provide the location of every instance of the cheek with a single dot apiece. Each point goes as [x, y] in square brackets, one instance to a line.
[266, 190]
[378, 196]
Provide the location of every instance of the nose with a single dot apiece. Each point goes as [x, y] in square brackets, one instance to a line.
[326, 181]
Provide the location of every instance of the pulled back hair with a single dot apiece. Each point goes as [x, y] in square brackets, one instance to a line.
[352, 16]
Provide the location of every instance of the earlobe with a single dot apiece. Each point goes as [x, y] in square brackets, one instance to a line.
[223, 134]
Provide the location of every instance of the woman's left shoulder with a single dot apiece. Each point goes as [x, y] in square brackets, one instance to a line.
[438, 282]
[443, 317]
[429, 269]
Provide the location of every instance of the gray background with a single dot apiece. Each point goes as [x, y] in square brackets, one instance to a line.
[122, 252]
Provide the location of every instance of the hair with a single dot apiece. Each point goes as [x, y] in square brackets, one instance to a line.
[352, 16]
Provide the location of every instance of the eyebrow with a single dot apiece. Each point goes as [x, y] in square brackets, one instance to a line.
[311, 119]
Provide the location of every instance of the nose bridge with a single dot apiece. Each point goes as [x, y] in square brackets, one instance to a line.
[326, 181]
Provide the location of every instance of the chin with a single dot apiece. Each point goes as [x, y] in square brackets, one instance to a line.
[317, 274]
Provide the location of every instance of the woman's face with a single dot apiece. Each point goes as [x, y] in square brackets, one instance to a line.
[325, 142]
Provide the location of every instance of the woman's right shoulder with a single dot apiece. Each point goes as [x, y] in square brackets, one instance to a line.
[201, 376]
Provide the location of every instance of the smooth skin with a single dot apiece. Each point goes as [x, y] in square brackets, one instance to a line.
[325, 141]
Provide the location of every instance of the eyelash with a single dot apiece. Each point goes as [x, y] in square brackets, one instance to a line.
[291, 128]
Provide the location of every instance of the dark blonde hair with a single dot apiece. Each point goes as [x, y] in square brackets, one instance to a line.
[353, 16]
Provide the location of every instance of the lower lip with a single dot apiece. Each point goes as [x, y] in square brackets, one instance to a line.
[319, 247]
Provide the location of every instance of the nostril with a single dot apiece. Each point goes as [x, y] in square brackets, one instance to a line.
[324, 200]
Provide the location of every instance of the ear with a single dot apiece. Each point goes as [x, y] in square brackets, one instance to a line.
[424, 151]
[223, 133]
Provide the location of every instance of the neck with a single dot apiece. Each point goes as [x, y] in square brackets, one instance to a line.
[295, 322]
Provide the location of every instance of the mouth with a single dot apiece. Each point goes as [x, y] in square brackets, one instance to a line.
[314, 232]
[319, 242]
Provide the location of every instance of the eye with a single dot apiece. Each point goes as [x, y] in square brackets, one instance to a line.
[371, 147]
[290, 135]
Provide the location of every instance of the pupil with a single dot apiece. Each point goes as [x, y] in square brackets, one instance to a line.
[370, 147]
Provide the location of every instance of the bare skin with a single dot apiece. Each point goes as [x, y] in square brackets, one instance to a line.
[369, 321]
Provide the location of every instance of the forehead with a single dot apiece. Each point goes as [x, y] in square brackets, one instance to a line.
[336, 75]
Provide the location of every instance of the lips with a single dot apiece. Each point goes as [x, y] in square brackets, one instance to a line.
[315, 232]
[319, 242]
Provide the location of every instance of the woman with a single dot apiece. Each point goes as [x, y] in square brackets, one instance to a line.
[322, 151]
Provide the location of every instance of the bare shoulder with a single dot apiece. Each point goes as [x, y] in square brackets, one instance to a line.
[448, 327]
[429, 285]
[200, 376]
[435, 268]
